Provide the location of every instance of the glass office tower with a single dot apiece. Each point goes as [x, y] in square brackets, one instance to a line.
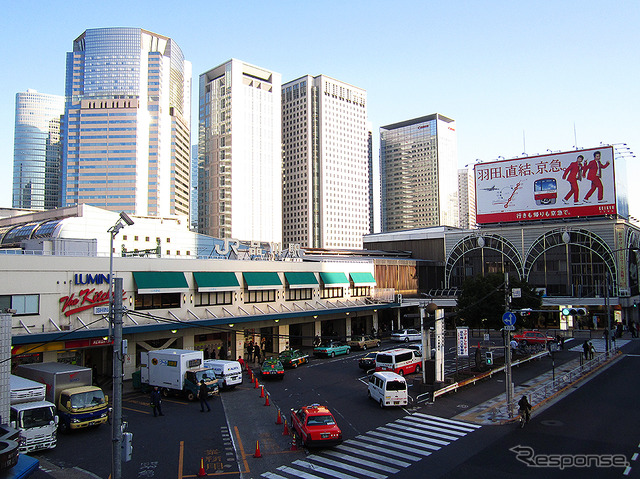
[419, 173]
[127, 130]
[37, 150]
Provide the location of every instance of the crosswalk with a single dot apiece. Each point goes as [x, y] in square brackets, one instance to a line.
[599, 344]
[379, 453]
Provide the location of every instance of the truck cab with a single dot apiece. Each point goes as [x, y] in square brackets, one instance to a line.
[82, 407]
[194, 377]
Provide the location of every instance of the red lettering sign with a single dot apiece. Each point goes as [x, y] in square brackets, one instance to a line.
[87, 299]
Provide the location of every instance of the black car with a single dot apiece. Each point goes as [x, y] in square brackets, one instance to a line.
[368, 361]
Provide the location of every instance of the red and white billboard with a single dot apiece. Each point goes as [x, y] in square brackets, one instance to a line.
[554, 186]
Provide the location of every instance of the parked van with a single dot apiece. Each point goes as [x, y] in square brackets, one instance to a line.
[229, 372]
[388, 389]
[400, 361]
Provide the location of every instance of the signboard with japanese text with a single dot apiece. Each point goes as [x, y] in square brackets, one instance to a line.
[553, 186]
[462, 344]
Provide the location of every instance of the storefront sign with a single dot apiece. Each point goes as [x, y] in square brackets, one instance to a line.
[86, 299]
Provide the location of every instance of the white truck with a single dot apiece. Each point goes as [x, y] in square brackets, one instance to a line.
[229, 372]
[177, 371]
[79, 404]
[31, 415]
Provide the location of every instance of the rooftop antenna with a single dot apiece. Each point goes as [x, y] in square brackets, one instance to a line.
[575, 136]
[524, 144]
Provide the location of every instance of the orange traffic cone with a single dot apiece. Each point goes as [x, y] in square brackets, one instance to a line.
[266, 401]
[294, 442]
[202, 472]
[257, 453]
[261, 391]
[256, 382]
[279, 418]
[285, 432]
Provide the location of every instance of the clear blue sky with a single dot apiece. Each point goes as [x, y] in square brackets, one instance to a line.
[516, 76]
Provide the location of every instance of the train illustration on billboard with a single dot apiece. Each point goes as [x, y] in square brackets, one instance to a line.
[555, 186]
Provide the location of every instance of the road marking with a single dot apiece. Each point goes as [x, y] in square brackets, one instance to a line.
[180, 459]
[136, 410]
[379, 457]
[400, 432]
[406, 441]
[302, 474]
[362, 462]
[465, 425]
[242, 453]
[347, 467]
[272, 475]
[424, 430]
[381, 449]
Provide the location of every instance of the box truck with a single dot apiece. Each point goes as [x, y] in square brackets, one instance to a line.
[229, 372]
[177, 371]
[31, 415]
[79, 404]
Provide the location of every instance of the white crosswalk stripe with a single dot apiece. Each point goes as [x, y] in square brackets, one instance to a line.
[379, 453]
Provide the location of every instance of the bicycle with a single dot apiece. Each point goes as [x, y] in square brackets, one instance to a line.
[525, 416]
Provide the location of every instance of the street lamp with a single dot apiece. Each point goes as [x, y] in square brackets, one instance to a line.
[116, 431]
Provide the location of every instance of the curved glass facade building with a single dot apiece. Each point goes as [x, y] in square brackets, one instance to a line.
[37, 150]
[127, 125]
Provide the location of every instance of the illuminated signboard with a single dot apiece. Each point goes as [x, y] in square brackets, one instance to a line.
[554, 186]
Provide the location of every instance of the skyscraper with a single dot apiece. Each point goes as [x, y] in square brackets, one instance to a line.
[37, 150]
[326, 163]
[467, 198]
[239, 153]
[418, 173]
[127, 130]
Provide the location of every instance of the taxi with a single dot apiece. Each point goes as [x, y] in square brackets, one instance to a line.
[316, 426]
[272, 368]
[331, 349]
[292, 358]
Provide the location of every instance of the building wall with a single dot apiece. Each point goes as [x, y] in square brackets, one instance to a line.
[466, 199]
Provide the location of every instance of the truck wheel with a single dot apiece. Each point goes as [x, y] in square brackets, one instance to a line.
[63, 427]
[381, 404]
[191, 396]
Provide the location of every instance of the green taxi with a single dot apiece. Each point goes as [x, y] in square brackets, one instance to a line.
[272, 368]
[331, 349]
[292, 358]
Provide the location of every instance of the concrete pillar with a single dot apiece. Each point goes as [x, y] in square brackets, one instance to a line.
[283, 338]
[398, 324]
[347, 328]
[374, 321]
[188, 341]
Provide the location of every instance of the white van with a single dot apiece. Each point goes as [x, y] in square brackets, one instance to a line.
[230, 372]
[400, 361]
[388, 389]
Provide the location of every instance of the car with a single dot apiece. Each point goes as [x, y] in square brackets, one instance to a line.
[418, 348]
[533, 337]
[368, 361]
[331, 349]
[316, 426]
[406, 335]
[272, 368]
[292, 358]
[363, 342]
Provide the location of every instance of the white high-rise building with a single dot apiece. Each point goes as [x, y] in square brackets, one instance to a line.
[240, 153]
[418, 173]
[325, 136]
[37, 151]
[466, 198]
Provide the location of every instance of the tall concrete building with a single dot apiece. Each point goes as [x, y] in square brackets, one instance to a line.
[418, 173]
[326, 163]
[37, 150]
[466, 198]
[127, 131]
[240, 153]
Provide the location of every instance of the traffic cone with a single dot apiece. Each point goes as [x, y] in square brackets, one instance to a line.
[261, 391]
[285, 432]
[266, 402]
[279, 418]
[255, 380]
[294, 442]
[257, 453]
[202, 472]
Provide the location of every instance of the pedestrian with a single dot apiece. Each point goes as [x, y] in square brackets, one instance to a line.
[373, 332]
[586, 349]
[514, 346]
[207, 354]
[241, 361]
[202, 394]
[250, 351]
[592, 350]
[156, 402]
[256, 353]
[222, 354]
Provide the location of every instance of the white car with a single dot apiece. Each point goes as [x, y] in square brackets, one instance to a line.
[418, 347]
[406, 335]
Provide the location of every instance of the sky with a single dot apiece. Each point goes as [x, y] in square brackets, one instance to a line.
[517, 77]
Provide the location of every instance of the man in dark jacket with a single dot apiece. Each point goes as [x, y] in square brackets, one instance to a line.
[156, 402]
[203, 393]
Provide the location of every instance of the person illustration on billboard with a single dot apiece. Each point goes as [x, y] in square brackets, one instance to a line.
[573, 174]
[593, 172]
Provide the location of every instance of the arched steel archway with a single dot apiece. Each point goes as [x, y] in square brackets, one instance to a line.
[489, 241]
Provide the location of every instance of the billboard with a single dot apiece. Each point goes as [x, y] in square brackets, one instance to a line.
[554, 186]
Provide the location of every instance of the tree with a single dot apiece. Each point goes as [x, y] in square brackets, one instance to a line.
[482, 298]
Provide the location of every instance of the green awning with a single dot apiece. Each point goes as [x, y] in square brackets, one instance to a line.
[149, 282]
[334, 279]
[299, 280]
[216, 281]
[262, 280]
[362, 279]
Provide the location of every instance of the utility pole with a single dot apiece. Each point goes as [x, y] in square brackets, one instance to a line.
[116, 437]
[507, 351]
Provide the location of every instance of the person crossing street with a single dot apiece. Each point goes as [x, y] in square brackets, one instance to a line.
[202, 394]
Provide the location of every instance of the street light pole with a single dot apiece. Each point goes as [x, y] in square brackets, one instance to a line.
[507, 351]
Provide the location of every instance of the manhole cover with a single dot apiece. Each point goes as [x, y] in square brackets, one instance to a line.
[552, 423]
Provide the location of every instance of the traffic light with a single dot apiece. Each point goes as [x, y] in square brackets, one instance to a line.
[127, 446]
[488, 357]
[574, 312]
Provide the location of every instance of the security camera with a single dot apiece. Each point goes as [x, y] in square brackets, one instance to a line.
[125, 218]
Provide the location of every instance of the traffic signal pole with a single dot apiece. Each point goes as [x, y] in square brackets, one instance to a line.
[507, 351]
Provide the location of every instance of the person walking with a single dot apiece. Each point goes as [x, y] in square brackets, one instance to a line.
[156, 402]
[256, 353]
[586, 349]
[202, 394]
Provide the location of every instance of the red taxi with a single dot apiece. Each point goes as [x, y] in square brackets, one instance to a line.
[316, 426]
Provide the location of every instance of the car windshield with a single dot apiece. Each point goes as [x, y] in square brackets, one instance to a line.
[357, 338]
[41, 416]
[87, 399]
[396, 386]
[207, 375]
[284, 354]
[324, 420]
